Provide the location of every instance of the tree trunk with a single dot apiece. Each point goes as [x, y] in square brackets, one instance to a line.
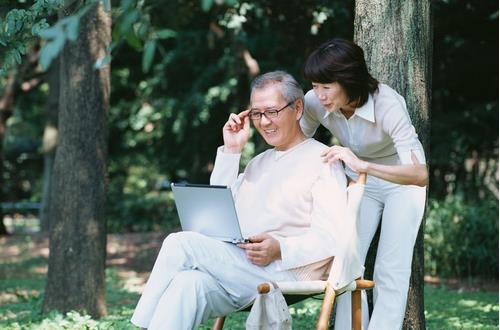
[49, 142]
[76, 278]
[397, 38]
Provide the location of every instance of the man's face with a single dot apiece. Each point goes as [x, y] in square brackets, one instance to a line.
[283, 130]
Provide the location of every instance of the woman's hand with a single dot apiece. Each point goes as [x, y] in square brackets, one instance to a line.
[236, 132]
[337, 153]
[262, 249]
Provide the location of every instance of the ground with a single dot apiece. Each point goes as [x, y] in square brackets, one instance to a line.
[450, 304]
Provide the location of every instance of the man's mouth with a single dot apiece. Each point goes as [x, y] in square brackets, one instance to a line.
[270, 131]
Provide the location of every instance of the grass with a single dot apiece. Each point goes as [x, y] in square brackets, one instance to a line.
[446, 309]
[22, 281]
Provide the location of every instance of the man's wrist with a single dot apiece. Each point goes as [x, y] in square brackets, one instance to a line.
[365, 167]
[232, 150]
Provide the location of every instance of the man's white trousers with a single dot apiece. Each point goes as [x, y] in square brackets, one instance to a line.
[196, 278]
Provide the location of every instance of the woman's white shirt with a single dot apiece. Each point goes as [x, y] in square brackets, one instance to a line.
[380, 131]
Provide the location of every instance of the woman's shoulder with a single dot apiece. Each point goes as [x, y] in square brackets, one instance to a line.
[387, 99]
[390, 108]
[387, 93]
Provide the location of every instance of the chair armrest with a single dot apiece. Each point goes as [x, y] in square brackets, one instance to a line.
[302, 287]
[264, 288]
[364, 284]
[295, 287]
[361, 178]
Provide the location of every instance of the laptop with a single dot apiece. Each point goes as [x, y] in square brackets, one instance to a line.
[208, 210]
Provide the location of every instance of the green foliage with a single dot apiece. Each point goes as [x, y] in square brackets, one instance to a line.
[172, 116]
[21, 146]
[132, 23]
[65, 30]
[464, 128]
[137, 202]
[20, 27]
[24, 26]
[461, 239]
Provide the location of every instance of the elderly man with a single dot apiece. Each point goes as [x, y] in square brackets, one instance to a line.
[290, 205]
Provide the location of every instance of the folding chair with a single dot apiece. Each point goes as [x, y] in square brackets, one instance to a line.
[299, 290]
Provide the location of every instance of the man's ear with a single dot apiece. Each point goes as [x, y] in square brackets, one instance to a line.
[299, 108]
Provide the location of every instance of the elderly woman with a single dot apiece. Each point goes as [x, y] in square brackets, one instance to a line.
[371, 122]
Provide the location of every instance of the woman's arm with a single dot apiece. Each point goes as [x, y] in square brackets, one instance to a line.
[411, 174]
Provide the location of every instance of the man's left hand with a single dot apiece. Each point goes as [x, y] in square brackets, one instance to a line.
[262, 249]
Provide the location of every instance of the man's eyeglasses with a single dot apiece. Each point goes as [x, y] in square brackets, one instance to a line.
[271, 113]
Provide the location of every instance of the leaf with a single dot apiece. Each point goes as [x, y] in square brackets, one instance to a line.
[50, 50]
[21, 48]
[148, 54]
[126, 4]
[39, 26]
[15, 21]
[106, 4]
[133, 41]
[206, 4]
[129, 19]
[72, 27]
[165, 34]
[17, 56]
[103, 61]
[51, 32]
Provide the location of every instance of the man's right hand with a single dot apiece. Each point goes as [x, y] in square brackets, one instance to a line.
[236, 132]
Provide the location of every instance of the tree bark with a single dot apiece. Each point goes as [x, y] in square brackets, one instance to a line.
[76, 278]
[396, 36]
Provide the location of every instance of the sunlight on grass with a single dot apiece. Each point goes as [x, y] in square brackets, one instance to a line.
[446, 309]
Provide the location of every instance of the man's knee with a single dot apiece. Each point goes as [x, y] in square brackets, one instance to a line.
[179, 239]
[194, 281]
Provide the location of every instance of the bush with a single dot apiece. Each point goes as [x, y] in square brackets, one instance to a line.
[461, 239]
[137, 203]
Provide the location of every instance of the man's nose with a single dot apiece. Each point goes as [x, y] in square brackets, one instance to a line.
[264, 120]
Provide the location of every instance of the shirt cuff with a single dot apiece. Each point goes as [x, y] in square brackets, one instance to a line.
[226, 168]
[405, 156]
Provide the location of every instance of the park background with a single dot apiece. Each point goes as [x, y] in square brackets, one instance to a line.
[178, 68]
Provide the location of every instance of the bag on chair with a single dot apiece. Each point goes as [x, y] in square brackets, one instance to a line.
[269, 312]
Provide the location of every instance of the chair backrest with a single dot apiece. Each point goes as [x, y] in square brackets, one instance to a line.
[350, 262]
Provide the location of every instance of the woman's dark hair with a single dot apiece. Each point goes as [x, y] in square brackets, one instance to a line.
[342, 61]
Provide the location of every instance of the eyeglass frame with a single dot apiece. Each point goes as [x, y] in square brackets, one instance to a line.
[267, 111]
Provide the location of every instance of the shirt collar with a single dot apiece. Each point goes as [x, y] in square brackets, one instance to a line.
[367, 111]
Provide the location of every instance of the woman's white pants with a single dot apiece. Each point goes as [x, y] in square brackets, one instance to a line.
[196, 278]
[401, 209]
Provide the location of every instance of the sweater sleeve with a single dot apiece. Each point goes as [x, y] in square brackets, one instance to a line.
[225, 172]
[309, 121]
[321, 240]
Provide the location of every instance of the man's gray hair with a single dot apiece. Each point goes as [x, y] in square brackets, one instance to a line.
[290, 88]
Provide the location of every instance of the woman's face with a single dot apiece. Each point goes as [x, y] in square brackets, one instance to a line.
[332, 96]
